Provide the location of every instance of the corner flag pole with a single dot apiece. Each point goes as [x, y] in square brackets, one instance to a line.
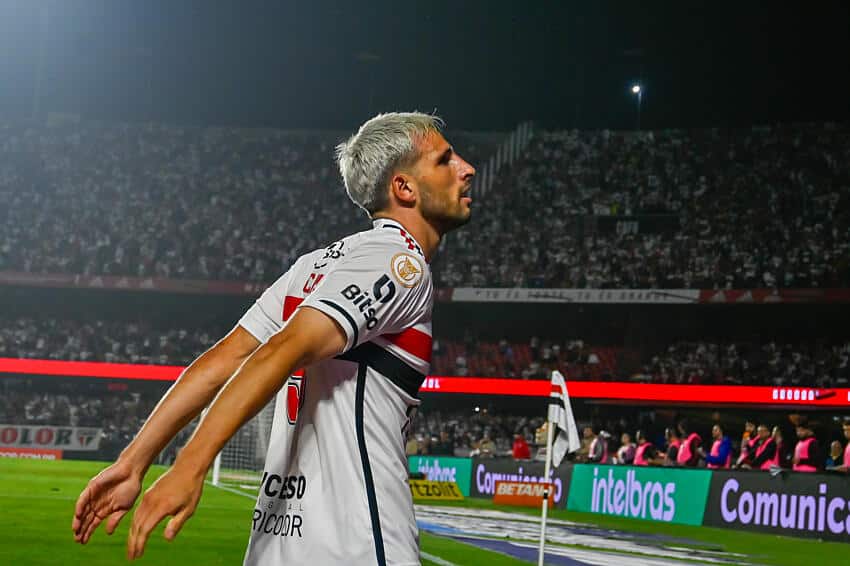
[545, 510]
[560, 415]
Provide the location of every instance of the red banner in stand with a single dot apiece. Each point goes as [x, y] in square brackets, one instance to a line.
[598, 390]
[90, 369]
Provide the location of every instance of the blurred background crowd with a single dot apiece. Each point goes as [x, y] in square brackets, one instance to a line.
[716, 208]
[818, 362]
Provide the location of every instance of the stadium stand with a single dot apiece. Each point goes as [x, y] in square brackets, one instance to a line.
[167, 201]
[762, 207]
[759, 207]
[106, 341]
[118, 415]
[818, 362]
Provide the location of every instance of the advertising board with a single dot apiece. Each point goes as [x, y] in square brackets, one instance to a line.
[668, 495]
[487, 471]
[443, 468]
[796, 504]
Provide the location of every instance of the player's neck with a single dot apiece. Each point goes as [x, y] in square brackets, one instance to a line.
[424, 233]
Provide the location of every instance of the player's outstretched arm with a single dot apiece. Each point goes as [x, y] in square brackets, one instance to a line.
[309, 336]
[111, 493]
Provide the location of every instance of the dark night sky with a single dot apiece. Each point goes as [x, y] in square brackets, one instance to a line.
[481, 64]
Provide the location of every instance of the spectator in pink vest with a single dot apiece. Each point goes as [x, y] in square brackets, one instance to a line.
[598, 452]
[674, 443]
[646, 454]
[748, 445]
[689, 454]
[767, 451]
[807, 456]
[782, 455]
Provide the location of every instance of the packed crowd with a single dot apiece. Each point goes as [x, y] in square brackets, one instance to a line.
[526, 360]
[817, 363]
[104, 340]
[764, 207]
[166, 201]
[463, 434]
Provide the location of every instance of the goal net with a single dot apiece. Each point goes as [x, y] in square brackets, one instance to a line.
[240, 463]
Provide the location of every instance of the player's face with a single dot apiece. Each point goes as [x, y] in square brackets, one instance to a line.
[444, 180]
[847, 432]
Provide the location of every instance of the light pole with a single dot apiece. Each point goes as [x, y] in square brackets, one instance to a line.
[636, 89]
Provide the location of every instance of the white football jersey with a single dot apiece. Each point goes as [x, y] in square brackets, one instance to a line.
[334, 489]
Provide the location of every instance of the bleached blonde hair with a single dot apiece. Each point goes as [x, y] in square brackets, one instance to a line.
[368, 158]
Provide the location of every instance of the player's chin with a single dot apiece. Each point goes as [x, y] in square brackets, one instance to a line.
[464, 216]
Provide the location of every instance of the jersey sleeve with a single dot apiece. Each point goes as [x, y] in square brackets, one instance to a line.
[264, 318]
[377, 288]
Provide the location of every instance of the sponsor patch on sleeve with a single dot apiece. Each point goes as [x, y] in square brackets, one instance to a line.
[406, 269]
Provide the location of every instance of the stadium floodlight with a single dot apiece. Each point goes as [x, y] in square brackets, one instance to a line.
[638, 90]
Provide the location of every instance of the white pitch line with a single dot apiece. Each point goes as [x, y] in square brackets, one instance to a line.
[435, 559]
[231, 490]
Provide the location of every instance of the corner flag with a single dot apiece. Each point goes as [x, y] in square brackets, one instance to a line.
[561, 415]
[564, 424]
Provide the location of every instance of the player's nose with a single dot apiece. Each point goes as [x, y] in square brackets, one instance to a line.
[467, 171]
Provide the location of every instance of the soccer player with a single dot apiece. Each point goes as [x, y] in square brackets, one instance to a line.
[357, 316]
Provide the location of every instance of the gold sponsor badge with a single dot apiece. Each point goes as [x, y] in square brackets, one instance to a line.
[406, 269]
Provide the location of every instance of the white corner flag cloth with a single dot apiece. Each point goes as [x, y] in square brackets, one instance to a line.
[561, 414]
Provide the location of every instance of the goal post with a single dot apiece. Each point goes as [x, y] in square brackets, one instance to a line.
[240, 462]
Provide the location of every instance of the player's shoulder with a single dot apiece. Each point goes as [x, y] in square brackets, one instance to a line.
[388, 246]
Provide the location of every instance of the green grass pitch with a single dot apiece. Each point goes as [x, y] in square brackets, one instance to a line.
[37, 500]
[37, 503]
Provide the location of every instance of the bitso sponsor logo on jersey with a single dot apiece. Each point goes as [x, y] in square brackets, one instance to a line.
[383, 290]
[406, 269]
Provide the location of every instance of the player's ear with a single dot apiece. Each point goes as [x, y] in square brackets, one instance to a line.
[401, 189]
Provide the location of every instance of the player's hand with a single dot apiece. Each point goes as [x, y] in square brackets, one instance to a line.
[176, 494]
[108, 495]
